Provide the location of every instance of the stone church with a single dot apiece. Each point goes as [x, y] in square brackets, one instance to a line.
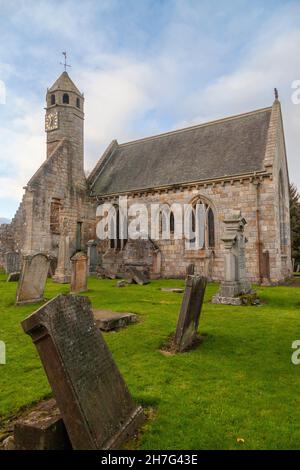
[235, 163]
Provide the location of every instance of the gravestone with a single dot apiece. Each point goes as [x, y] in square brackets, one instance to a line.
[42, 428]
[190, 270]
[94, 401]
[140, 277]
[235, 281]
[63, 271]
[12, 262]
[79, 272]
[33, 278]
[107, 320]
[93, 257]
[188, 320]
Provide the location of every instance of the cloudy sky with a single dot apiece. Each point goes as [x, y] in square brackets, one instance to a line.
[145, 66]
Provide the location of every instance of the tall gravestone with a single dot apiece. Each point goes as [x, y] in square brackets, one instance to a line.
[12, 262]
[79, 272]
[94, 401]
[63, 271]
[188, 320]
[93, 257]
[33, 278]
[235, 279]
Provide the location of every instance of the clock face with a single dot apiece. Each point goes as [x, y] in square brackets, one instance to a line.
[51, 121]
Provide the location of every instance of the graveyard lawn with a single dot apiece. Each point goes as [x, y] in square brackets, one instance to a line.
[238, 390]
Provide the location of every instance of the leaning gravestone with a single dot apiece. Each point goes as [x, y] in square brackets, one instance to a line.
[33, 278]
[190, 270]
[79, 272]
[95, 404]
[235, 281]
[138, 276]
[12, 262]
[188, 321]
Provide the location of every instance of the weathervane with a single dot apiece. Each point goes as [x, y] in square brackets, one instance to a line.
[65, 61]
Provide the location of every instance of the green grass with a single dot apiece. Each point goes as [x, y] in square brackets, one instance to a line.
[240, 383]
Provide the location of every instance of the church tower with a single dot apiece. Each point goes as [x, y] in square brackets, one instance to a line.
[65, 119]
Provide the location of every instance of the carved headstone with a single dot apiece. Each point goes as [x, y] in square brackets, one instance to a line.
[93, 257]
[63, 270]
[79, 272]
[188, 321]
[94, 401]
[12, 262]
[235, 279]
[33, 278]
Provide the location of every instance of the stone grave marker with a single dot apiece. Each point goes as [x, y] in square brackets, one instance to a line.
[107, 320]
[12, 262]
[42, 428]
[94, 401]
[33, 278]
[235, 279]
[188, 320]
[138, 276]
[79, 272]
[190, 270]
[93, 257]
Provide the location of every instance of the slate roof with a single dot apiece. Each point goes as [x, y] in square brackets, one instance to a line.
[64, 83]
[230, 146]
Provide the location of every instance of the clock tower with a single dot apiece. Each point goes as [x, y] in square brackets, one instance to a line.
[65, 117]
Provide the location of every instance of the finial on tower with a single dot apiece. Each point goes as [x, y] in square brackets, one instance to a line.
[65, 61]
[276, 93]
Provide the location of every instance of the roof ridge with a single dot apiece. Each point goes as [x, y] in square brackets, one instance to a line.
[196, 126]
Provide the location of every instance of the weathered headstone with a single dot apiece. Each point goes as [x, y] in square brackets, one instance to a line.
[94, 401]
[63, 271]
[188, 320]
[107, 320]
[13, 277]
[79, 272]
[235, 279]
[33, 278]
[12, 262]
[93, 257]
[42, 428]
[190, 270]
[140, 277]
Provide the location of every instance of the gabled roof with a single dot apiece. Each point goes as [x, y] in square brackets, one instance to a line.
[230, 146]
[64, 83]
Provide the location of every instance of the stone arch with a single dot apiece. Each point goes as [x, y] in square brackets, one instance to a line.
[211, 232]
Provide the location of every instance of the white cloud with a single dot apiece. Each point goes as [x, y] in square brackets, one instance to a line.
[181, 80]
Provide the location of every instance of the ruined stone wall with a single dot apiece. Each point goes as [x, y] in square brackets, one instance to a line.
[6, 241]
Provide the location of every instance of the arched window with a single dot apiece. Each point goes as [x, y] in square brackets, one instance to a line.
[166, 222]
[52, 99]
[211, 228]
[78, 103]
[203, 224]
[65, 98]
[172, 223]
[116, 242]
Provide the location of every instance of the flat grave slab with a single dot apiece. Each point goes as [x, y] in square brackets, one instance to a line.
[106, 320]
